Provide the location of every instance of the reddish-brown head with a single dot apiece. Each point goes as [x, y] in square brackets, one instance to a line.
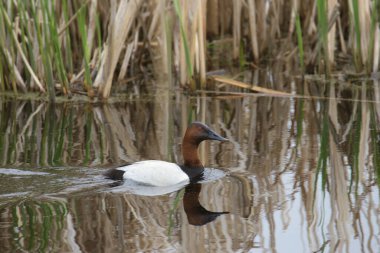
[195, 134]
[198, 132]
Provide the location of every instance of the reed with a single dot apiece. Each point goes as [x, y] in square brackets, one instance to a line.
[323, 34]
[373, 57]
[51, 47]
[184, 39]
[86, 49]
[356, 21]
[300, 43]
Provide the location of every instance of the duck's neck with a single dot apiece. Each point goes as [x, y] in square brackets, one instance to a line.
[190, 155]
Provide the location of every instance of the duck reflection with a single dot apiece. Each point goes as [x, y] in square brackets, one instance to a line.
[197, 215]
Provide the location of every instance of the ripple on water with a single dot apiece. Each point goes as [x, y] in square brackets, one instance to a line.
[17, 172]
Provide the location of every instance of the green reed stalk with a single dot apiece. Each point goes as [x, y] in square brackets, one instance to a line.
[68, 51]
[53, 45]
[98, 31]
[56, 49]
[8, 49]
[86, 51]
[184, 39]
[374, 20]
[300, 43]
[43, 43]
[47, 53]
[323, 32]
[26, 34]
[358, 54]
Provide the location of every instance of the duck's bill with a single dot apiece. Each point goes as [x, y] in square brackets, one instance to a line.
[214, 136]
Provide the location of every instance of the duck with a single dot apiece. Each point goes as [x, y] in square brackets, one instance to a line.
[163, 174]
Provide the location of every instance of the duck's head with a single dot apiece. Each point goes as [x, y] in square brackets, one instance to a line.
[195, 134]
[198, 132]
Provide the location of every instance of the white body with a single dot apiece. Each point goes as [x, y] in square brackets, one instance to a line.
[155, 173]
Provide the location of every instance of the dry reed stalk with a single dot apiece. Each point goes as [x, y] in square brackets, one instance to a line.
[182, 42]
[360, 46]
[127, 58]
[262, 12]
[293, 15]
[253, 29]
[212, 14]
[250, 87]
[341, 36]
[201, 39]
[311, 19]
[119, 28]
[160, 32]
[376, 49]
[91, 27]
[22, 55]
[193, 35]
[331, 5]
[237, 12]
[19, 81]
[365, 26]
[157, 13]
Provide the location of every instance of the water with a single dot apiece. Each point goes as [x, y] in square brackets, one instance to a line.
[298, 175]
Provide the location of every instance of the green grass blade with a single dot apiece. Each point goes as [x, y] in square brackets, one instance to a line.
[184, 39]
[323, 32]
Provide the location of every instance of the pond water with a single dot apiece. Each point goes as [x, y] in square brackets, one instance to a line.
[298, 175]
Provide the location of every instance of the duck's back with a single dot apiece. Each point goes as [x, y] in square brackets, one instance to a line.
[154, 172]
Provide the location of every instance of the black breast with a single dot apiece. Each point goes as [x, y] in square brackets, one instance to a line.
[195, 174]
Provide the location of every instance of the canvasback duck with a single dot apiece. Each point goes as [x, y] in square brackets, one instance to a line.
[161, 173]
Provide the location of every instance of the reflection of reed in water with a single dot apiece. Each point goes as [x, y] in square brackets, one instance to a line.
[296, 165]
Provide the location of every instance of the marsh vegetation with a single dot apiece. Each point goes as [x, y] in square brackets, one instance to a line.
[294, 86]
[91, 47]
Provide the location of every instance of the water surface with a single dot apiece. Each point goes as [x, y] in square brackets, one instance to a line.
[298, 175]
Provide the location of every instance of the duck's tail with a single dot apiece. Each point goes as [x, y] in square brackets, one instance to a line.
[114, 174]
